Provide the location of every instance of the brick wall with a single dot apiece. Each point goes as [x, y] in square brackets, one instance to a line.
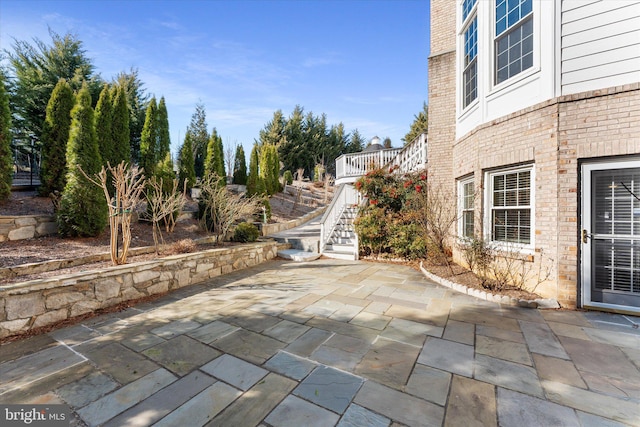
[554, 136]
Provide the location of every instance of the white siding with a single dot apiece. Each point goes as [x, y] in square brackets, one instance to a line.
[600, 44]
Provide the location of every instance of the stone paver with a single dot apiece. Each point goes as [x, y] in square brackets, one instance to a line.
[329, 388]
[112, 404]
[472, 403]
[238, 373]
[395, 405]
[172, 356]
[290, 365]
[517, 409]
[429, 384]
[357, 416]
[332, 342]
[448, 356]
[294, 412]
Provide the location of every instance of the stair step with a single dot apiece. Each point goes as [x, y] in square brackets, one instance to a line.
[340, 255]
[338, 247]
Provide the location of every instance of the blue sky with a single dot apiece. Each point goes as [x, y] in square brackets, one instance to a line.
[361, 62]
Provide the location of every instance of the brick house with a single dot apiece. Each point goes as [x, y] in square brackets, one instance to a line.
[534, 124]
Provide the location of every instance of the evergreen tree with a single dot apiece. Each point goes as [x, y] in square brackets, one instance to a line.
[149, 140]
[164, 139]
[186, 169]
[270, 168]
[6, 164]
[240, 167]
[120, 127]
[55, 136]
[103, 119]
[214, 162]
[200, 136]
[83, 210]
[164, 171]
[38, 67]
[273, 132]
[136, 101]
[356, 143]
[253, 180]
[419, 126]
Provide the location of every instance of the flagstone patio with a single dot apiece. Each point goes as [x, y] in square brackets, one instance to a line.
[327, 343]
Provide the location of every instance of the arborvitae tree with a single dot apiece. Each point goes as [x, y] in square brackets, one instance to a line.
[164, 139]
[270, 168]
[186, 169]
[149, 139]
[214, 163]
[6, 164]
[55, 136]
[240, 167]
[120, 127]
[221, 169]
[83, 209]
[103, 119]
[164, 171]
[253, 178]
[200, 136]
[419, 126]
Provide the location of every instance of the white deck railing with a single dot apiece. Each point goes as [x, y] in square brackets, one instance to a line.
[412, 157]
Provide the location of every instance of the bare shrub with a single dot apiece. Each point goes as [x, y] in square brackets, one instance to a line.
[128, 183]
[219, 209]
[183, 246]
[433, 211]
[164, 207]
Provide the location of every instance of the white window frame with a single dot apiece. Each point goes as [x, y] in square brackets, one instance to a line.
[488, 211]
[473, 14]
[531, 15]
[462, 183]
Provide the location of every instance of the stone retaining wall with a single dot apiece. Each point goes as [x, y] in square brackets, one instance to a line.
[270, 229]
[28, 305]
[26, 227]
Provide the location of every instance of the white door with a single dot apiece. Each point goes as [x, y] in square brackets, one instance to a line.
[611, 235]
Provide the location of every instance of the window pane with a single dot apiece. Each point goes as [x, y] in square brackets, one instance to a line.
[516, 39]
[511, 213]
[467, 6]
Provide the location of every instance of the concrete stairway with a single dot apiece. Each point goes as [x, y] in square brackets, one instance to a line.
[343, 243]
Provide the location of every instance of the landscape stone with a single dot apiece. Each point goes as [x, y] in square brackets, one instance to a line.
[249, 346]
[22, 233]
[286, 331]
[514, 352]
[24, 306]
[213, 331]
[308, 342]
[560, 370]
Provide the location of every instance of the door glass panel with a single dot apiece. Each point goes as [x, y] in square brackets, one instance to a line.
[615, 244]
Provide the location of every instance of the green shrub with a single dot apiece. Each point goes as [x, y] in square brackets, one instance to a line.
[405, 240]
[288, 177]
[246, 232]
[371, 227]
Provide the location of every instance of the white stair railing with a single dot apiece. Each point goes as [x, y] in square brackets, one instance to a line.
[412, 157]
[346, 196]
